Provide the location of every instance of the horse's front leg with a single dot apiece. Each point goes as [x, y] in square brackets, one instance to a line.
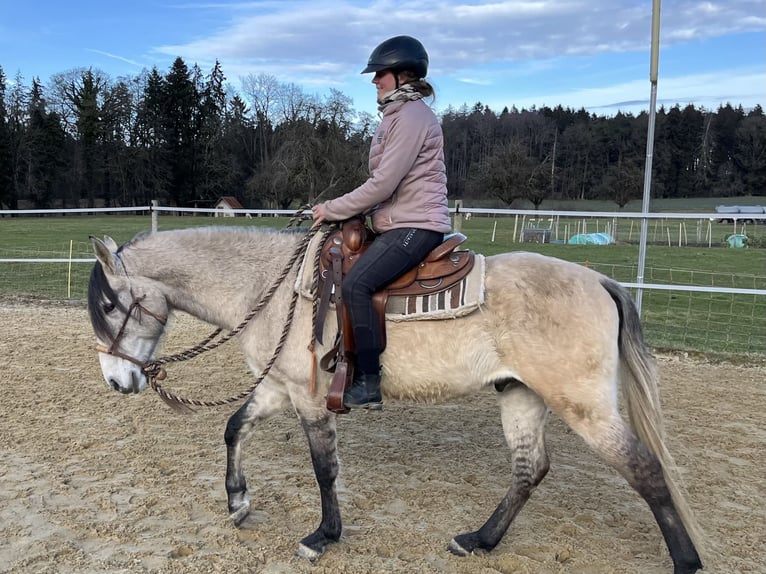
[321, 435]
[267, 400]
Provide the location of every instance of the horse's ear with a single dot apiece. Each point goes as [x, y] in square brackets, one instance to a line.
[111, 244]
[105, 249]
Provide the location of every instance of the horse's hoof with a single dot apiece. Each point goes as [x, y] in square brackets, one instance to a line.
[239, 515]
[313, 546]
[308, 553]
[688, 569]
[457, 549]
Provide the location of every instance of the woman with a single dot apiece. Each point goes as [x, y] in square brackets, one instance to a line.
[405, 195]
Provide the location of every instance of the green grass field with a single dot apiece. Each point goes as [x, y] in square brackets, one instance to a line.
[707, 322]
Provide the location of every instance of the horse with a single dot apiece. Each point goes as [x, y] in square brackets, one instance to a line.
[550, 336]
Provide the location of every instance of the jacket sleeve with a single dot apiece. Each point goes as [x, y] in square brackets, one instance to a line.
[403, 144]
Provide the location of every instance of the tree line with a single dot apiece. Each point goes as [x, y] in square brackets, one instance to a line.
[187, 138]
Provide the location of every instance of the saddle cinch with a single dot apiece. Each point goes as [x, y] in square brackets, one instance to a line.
[442, 268]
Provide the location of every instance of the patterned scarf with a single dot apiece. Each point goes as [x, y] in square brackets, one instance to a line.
[405, 93]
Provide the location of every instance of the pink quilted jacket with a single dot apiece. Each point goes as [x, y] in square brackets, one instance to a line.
[407, 186]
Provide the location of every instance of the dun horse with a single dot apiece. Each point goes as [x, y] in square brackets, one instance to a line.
[550, 336]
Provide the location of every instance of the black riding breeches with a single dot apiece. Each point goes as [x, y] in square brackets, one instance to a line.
[390, 256]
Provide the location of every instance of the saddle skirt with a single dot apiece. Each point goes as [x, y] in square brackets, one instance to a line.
[430, 302]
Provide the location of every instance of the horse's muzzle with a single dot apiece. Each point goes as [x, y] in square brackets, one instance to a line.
[134, 387]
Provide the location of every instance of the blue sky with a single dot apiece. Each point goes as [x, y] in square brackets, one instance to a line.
[577, 53]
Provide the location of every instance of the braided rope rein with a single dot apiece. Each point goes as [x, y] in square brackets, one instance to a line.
[155, 371]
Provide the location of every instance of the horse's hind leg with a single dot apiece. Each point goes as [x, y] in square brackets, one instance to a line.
[618, 446]
[524, 415]
[267, 400]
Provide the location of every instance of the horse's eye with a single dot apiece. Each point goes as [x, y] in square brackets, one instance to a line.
[108, 307]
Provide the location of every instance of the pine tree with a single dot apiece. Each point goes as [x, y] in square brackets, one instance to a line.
[6, 153]
[750, 152]
[151, 175]
[44, 151]
[214, 170]
[181, 132]
[84, 96]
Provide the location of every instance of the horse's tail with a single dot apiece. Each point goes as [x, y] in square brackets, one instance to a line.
[641, 387]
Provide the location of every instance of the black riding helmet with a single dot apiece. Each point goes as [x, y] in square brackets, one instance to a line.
[399, 54]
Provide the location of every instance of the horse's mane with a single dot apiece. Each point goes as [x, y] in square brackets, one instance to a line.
[136, 238]
[210, 232]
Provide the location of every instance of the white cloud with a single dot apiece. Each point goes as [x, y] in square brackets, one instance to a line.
[290, 35]
[475, 81]
[707, 90]
[476, 48]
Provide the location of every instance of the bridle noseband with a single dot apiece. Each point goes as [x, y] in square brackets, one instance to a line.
[113, 349]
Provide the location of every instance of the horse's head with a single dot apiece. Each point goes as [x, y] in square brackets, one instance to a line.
[128, 314]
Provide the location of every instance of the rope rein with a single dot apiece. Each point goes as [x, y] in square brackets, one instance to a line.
[155, 371]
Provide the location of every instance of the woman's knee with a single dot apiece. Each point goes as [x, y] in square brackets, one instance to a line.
[353, 289]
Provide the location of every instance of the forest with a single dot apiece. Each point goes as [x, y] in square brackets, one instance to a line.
[187, 137]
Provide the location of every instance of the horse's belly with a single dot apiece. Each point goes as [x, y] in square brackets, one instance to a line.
[436, 360]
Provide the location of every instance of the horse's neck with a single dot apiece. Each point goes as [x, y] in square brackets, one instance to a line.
[215, 275]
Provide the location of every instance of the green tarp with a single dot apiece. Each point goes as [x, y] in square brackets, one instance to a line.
[738, 240]
[591, 239]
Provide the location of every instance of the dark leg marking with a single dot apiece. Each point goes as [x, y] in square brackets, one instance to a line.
[644, 473]
[524, 416]
[236, 485]
[322, 443]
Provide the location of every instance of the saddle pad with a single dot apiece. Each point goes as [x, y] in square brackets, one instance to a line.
[459, 300]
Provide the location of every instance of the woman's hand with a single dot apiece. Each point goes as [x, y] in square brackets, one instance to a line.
[318, 213]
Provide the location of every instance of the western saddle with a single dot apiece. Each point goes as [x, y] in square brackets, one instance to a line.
[442, 269]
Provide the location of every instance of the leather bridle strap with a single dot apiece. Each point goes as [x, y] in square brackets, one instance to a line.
[113, 348]
[116, 353]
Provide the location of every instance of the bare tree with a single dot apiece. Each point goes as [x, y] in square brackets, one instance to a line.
[261, 93]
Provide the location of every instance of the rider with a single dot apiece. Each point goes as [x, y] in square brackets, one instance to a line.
[405, 195]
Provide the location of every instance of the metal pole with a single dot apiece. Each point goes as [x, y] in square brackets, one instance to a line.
[649, 149]
[155, 225]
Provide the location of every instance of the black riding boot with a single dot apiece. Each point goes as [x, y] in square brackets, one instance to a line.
[364, 392]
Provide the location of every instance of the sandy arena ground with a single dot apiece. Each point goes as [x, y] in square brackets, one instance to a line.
[92, 481]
